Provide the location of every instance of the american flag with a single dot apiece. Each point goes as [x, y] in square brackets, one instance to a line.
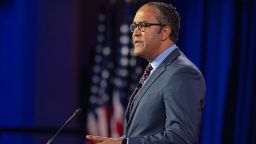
[115, 75]
[127, 72]
[98, 118]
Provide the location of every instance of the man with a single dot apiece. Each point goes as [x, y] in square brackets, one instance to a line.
[167, 107]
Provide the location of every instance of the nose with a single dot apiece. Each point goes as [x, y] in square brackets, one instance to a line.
[136, 32]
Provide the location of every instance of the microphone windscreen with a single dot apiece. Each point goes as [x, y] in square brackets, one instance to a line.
[78, 111]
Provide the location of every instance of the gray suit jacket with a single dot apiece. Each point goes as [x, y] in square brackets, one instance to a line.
[169, 106]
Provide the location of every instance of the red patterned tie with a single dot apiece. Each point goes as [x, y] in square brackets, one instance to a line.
[142, 81]
[146, 74]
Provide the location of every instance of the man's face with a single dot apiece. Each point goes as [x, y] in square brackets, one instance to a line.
[147, 43]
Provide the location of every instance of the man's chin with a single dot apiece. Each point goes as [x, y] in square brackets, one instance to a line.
[137, 51]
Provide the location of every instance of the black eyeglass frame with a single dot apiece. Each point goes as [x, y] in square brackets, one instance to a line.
[143, 25]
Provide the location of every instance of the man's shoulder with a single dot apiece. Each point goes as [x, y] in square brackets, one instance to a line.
[182, 63]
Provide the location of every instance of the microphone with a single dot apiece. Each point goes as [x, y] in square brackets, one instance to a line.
[77, 111]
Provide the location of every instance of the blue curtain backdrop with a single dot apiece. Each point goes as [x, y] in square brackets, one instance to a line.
[38, 70]
[17, 41]
[218, 35]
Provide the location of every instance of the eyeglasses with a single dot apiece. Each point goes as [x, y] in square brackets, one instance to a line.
[142, 26]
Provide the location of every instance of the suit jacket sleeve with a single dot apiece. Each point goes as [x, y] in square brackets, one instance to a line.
[184, 102]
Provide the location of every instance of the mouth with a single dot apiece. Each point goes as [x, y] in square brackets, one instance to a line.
[135, 42]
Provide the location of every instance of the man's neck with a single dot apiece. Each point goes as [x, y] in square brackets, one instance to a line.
[163, 47]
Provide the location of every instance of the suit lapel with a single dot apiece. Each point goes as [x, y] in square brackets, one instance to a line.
[129, 104]
[153, 77]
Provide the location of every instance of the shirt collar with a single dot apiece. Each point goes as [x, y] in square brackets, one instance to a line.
[158, 60]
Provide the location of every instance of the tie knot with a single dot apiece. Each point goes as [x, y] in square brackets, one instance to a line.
[148, 69]
[146, 73]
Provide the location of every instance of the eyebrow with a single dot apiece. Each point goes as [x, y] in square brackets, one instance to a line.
[141, 22]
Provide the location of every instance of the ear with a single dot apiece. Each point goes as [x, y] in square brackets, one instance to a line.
[166, 31]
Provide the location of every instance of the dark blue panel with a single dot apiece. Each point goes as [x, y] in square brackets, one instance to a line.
[17, 64]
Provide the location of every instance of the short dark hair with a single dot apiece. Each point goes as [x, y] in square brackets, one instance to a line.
[168, 15]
